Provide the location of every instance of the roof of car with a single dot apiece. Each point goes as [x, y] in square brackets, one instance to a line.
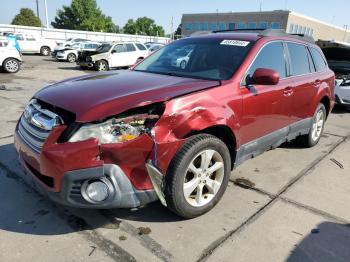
[253, 35]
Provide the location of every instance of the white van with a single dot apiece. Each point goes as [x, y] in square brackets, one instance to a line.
[35, 44]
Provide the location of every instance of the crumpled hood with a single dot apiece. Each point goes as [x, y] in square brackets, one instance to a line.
[97, 96]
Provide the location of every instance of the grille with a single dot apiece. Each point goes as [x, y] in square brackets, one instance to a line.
[36, 124]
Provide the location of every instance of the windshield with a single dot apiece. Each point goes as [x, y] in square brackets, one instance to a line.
[104, 48]
[213, 59]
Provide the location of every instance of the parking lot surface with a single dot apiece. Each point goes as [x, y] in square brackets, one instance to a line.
[289, 204]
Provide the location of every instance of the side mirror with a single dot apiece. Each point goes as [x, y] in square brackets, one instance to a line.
[114, 51]
[265, 76]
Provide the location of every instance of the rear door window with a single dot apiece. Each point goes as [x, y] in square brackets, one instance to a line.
[272, 57]
[320, 63]
[141, 47]
[299, 60]
[130, 48]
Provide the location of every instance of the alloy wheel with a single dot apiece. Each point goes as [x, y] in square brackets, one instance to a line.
[11, 66]
[204, 177]
[317, 126]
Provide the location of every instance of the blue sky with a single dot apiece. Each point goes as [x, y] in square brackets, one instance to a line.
[335, 11]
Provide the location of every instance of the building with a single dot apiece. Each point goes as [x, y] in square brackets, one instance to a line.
[291, 21]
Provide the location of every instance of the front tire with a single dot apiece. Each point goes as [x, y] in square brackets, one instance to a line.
[101, 66]
[71, 58]
[11, 65]
[317, 127]
[45, 51]
[197, 176]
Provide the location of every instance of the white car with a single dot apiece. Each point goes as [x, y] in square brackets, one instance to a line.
[182, 59]
[10, 58]
[35, 44]
[71, 41]
[115, 55]
[70, 54]
[155, 47]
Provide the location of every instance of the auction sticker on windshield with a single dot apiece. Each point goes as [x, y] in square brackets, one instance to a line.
[235, 43]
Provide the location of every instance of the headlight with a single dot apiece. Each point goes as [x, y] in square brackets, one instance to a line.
[116, 130]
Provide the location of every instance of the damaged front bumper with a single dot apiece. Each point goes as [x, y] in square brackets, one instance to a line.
[61, 169]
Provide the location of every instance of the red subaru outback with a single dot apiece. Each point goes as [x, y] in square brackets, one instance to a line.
[175, 126]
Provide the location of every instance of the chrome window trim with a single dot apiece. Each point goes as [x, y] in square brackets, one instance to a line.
[242, 85]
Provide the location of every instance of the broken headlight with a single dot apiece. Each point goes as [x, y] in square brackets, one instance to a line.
[116, 130]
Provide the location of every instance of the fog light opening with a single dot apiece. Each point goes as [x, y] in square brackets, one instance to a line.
[95, 191]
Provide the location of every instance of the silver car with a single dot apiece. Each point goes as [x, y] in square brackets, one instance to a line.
[338, 58]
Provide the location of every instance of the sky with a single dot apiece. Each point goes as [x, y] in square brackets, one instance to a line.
[334, 12]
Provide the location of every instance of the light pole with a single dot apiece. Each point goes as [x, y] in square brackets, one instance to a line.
[346, 29]
[37, 8]
[47, 17]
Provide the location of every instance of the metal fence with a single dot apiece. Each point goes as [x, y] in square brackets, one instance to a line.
[62, 34]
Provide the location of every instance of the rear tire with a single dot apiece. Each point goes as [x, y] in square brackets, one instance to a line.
[45, 51]
[11, 65]
[197, 176]
[101, 65]
[316, 129]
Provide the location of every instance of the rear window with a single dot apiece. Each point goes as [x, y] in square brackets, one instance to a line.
[318, 60]
[299, 59]
[141, 47]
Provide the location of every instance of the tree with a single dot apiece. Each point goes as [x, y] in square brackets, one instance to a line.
[26, 17]
[143, 26]
[178, 32]
[84, 15]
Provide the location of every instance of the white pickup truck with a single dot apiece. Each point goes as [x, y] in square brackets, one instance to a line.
[35, 44]
[10, 59]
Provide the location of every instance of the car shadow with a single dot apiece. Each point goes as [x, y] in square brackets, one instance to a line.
[328, 242]
[338, 109]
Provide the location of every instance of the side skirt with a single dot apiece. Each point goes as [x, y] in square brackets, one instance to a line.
[273, 140]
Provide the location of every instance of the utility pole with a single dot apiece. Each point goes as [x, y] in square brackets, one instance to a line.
[37, 8]
[260, 6]
[346, 29]
[47, 17]
[286, 5]
[172, 28]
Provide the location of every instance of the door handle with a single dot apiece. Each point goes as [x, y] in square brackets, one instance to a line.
[288, 91]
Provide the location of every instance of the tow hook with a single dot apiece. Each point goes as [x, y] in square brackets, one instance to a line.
[157, 180]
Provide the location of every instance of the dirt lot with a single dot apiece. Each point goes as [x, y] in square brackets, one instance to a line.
[288, 204]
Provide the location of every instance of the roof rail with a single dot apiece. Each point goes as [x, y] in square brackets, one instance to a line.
[272, 32]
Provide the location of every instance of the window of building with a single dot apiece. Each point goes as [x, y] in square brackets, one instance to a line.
[264, 25]
[299, 59]
[271, 56]
[241, 25]
[291, 28]
[303, 30]
[320, 63]
[204, 26]
[276, 25]
[252, 25]
[300, 28]
[196, 26]
[222, 26]
[213, 26]
[232, 26]
[188, 26]
[311, 32]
